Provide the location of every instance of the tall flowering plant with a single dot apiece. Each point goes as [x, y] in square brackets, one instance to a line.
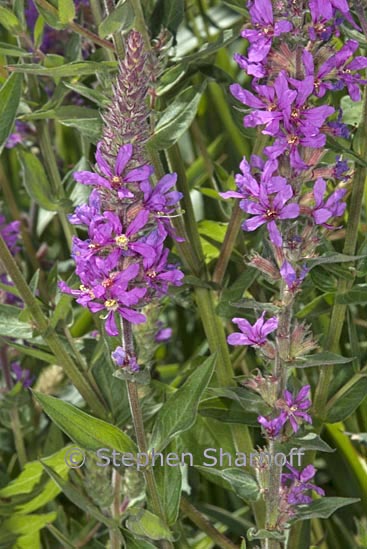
[297, 198]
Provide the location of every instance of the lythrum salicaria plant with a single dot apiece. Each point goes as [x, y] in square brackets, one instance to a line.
[182, 274]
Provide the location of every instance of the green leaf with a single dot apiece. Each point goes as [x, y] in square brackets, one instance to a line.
[36, 182]
[167, 14]
[176, 119]
[10, 94]
[169, 481]
[13, 51]
[178, 414]
[87, 431]
[11, 326]
[143, 523]
[358, 295]
[77, 68]
[119, 20]
[93, 95]
[332, 258]
[241, 483]
[352, 110]
[66, 11]
[9, 20]
[311, 441]
[25, 524]
[228, 411]
[322, 508]
[32, 473]
[319, 359]
[344, 406]
[87, 121]
[78, 498]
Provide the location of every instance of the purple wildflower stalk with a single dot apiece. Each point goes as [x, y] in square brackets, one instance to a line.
[123, 264]
[291, 193]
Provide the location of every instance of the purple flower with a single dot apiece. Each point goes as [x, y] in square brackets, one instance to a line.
[294, 407]
[22, 375]
[268, 210]
[272, 426]
[163, 334]
[269, 107]
[289, 275]
[332, 207]
[340, 169]
[260, 38]
[288, 143]
[112, 295]
[123, 360]
[115, 179]
[299, 484]
[252, 335]
[85, 213]
[247, 184]
[344, 73]
[160, 199]
[158, 274]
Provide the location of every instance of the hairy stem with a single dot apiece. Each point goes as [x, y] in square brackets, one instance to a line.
[137, 416]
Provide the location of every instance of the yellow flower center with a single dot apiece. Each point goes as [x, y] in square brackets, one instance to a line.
[151, 274]
[122, 241]
[293, 140]
[111, 304]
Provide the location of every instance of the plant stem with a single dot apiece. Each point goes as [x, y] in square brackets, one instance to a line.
[138, 422]
[203, 524]
[41, 324]
[115, 537]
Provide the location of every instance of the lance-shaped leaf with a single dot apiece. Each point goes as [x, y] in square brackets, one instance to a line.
[176, 119]
[87, 431]
[119, 20]
[169, 481]
[347, 399]
[241, 483]
[178, 414]
[322, 508]
[10, 94]
[36, 182]
[319, 359]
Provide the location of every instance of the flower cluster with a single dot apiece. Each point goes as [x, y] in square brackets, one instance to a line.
[123, 264]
